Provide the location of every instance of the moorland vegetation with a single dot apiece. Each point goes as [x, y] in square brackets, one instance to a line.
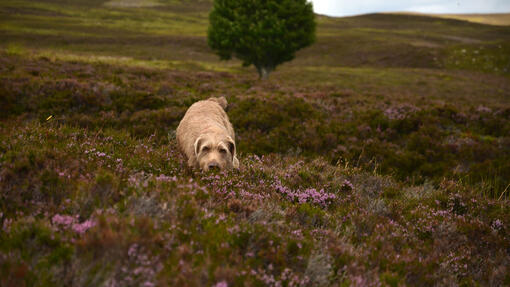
[380, 155]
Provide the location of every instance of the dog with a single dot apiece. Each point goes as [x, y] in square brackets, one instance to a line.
[206, 137]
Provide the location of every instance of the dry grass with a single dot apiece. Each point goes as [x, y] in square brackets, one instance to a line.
[491, 19]
[132, 3]
[497, 19]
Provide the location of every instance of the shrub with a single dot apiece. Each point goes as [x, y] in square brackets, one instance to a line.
[262, 33]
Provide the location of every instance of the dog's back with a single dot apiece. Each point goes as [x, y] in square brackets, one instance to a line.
[203, 117]
[221, 101]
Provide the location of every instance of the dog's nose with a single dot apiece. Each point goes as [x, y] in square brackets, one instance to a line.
[214, 166]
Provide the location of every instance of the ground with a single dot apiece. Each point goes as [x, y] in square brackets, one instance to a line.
[379, 156]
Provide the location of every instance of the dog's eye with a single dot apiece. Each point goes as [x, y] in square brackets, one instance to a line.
[205, 149]
[222, 150]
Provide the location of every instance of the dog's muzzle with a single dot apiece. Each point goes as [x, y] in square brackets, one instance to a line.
[213, 166]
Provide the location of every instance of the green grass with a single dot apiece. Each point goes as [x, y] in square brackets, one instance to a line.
[380, 155]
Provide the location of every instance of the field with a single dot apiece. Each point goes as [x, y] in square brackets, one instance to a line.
[379, 156]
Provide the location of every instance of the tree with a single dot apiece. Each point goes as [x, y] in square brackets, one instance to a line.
[265, 33]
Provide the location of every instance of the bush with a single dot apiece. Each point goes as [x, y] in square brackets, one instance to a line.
[263, 33]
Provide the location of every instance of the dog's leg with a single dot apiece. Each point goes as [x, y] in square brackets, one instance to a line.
[192, 162]
[235, 162]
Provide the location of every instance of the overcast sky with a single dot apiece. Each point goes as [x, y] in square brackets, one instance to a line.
[355, 7]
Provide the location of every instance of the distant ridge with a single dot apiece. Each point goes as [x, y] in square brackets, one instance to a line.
[497, 19]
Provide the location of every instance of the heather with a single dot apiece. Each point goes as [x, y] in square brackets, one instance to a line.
[364, 162]
[424, 140]
[127, 215]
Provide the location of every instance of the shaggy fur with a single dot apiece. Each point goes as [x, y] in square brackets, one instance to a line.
[206, 136]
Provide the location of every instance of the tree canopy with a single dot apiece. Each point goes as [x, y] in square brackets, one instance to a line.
[265, 33]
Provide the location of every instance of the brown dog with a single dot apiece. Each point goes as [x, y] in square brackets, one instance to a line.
[206, 136]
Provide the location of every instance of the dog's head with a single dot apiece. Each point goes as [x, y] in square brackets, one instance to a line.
[215, 152]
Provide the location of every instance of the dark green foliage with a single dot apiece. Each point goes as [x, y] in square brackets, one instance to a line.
[263, 33]
[310, 216]
[279, 118]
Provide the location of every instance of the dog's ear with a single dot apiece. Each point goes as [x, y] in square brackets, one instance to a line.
[221, 101]
[198, 144]
[231, 146]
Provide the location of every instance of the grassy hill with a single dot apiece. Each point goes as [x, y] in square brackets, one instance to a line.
[502, 19]
[380, 155]
[499, 19]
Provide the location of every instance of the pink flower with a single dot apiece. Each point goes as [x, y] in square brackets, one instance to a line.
[84, 226]
[483, 109]
[70, 222]
[163, 177]
[497, 225]
[64, 220]
[221, 284]
[302, 196]
[347, 185]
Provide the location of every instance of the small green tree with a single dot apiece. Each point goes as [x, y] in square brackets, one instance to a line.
[265, 33]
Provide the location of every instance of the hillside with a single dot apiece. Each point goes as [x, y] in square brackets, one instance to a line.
[491, 19]
[379, 156]
[499, 19]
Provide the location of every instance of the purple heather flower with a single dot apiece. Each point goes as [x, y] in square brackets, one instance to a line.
[400, 112]
[84, 226]
[64, 220]
[163, 177]
[347, 186]
[497, 225]
[70, 222]
[7, 224]
[482, 109]
[302, 196]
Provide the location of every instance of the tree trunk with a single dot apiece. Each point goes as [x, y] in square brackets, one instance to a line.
[264, 72]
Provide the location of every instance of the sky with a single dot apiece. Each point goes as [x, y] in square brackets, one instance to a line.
[356, 7]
